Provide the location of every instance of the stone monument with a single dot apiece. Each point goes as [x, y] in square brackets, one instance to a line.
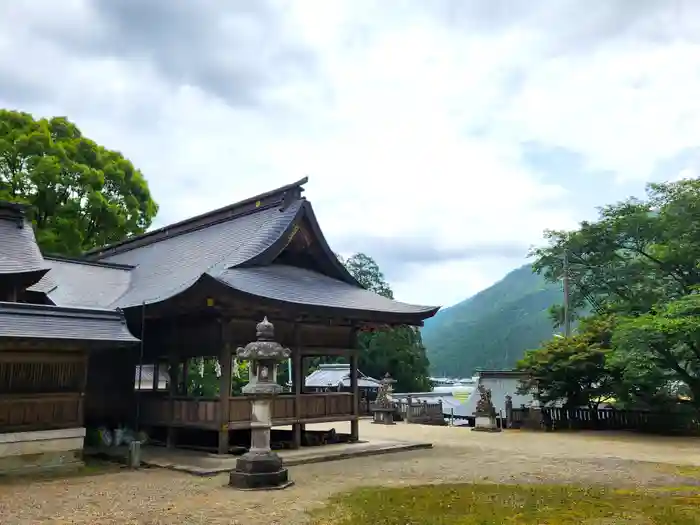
[383, 407]
[260, 468]
[485, 414]
[509, 411]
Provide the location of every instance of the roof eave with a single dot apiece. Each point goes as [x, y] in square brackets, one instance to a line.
[370, 316]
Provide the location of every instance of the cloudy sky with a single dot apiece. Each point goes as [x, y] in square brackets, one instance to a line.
[440, 136]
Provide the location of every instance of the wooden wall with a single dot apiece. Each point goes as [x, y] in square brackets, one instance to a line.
[41, 390]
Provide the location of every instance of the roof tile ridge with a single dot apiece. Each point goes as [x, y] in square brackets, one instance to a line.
[249, 205]
[293, 212]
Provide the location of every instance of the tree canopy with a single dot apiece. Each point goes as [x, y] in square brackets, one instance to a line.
[398, 351]
[636, 266]
[573, 369]
[80, 195]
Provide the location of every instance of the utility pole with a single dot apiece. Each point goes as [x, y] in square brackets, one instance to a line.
[567, 312]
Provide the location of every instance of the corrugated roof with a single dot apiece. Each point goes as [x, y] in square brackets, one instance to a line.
[304, 287]
[32, 321]
[331, 375]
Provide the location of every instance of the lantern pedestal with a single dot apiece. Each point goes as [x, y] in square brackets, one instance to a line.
[260, 468]
[259, 471]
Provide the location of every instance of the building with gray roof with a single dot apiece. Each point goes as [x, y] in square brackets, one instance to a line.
[196, 289]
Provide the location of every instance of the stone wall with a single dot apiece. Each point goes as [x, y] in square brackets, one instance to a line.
[37, 451]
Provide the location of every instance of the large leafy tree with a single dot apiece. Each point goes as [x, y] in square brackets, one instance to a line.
[80, 194]
[398, 351]
[659, 351]
[638, 253]
[639, 261]
[573, 369]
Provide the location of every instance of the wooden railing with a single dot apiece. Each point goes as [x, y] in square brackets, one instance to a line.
[204, 412]
[21, 413]
[421, 412]
[326, 405]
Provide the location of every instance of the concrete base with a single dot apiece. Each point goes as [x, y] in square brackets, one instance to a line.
[206, 464]
[383, 416]
[40, 451]
[259, 471]
[485, 424]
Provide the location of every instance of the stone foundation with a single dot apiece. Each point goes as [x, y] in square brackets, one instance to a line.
[40, 451]
[486, 424]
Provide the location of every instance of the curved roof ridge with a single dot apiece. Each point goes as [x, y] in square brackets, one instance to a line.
[262, 249]
[253, 204]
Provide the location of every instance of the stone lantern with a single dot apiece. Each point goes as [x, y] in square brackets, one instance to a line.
[260, 467]
[383, 408]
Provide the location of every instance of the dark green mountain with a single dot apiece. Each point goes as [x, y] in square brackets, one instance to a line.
[493, 328]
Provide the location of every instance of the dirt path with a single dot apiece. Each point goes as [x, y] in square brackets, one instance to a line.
[165, 497]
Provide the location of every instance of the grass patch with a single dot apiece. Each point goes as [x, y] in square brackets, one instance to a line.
[488, 504]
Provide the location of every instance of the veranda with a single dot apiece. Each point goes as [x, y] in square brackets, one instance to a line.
[211, 323]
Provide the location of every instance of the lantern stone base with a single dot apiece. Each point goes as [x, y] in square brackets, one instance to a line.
[383, 416]
[485, 424]
[259, 471]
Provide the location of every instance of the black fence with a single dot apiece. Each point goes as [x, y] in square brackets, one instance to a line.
[679, 422]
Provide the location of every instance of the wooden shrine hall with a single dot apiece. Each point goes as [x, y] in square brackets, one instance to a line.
[198, 288]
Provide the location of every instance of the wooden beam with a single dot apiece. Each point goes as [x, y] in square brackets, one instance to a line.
[354, 386]
[224, 388]
[173, 362]
[297, 384]
[324, 351]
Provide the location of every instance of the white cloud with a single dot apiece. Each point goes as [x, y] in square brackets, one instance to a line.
[409, 127]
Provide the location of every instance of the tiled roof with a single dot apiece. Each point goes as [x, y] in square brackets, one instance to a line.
[19, 252]
[299, 286]
[20, 320]
[170, 266]
[236, 246]
[83, 283]
[331, 375]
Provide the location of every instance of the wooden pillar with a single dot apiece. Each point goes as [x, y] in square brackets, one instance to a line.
[173, 363]
[185, 364]
[297, 384]
[225, 357]
[156, 375]
[354, 386]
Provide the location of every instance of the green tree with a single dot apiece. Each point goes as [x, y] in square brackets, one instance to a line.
[398, 351]
[639, 260]
[637, 254]
[366, 271]
[659, 352]
[573, 369]
[80, 194]
[203, 377]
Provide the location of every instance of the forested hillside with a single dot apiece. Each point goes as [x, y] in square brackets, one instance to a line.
[493, 328]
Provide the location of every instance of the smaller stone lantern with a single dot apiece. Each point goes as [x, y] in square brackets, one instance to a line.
[383, 408]
[260, 468]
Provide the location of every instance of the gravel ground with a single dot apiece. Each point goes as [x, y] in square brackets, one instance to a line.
[157, 496]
